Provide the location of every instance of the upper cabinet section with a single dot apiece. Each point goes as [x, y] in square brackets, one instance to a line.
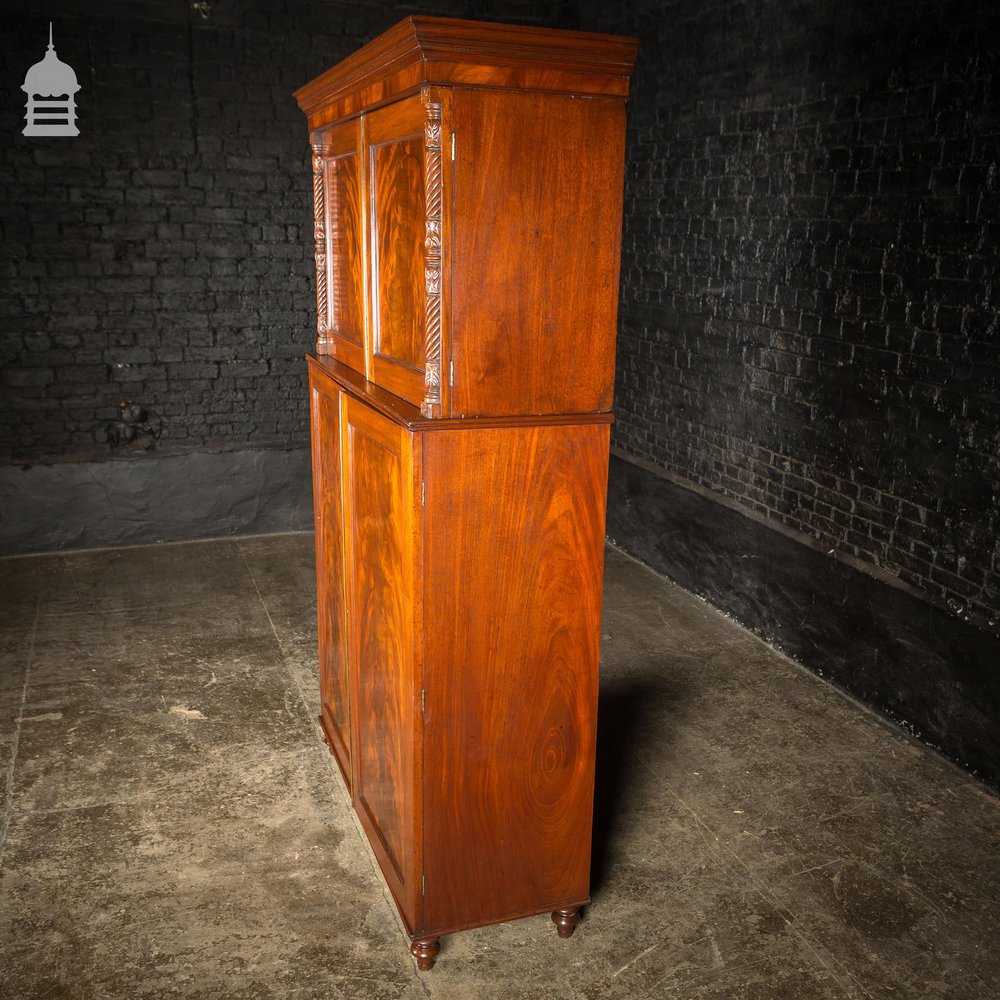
[467, 194]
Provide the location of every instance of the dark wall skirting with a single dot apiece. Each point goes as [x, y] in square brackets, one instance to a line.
[913, 662]
[132, 501]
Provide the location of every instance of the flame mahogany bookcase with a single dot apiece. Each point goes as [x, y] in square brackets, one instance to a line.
[467, 180]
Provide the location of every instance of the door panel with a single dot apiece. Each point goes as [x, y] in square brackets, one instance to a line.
[345, 257]
[335, 710]
[398, 179]
[395, 144]
[379, 500]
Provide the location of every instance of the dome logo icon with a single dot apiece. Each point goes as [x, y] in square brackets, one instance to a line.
[51, 87]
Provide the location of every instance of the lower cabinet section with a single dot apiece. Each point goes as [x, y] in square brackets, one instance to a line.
[459, 573]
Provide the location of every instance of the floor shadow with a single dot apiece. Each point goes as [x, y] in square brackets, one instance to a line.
[625, 711]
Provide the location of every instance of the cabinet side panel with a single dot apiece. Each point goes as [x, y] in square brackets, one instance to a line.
[514, 556]
[379, 503]
[333, 653]
[536, 249]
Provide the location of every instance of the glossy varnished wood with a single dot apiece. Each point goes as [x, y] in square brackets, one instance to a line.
[425, 950]
[397, 176]
[410, 417]
[377, 462]
[493, 222]
[397, 409]
[566, 920]
[447, 51]
[513, 550]
[536, 245]
[334, 676]
[394, 140]
[468, 182]
[345, 256]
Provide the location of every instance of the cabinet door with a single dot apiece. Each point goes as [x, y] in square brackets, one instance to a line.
[379, 504]
[340, 258]
[335, 702]
[394, 143]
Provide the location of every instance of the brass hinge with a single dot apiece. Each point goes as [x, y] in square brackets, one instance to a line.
[423, 885]
[423, 700]
[423, 494]
[453, 147]
[451, 372]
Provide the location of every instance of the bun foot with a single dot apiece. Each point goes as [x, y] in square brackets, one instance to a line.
[565, 921]
[425, 952]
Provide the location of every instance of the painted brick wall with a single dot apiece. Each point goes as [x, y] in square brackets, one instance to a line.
[810, 273]
[163, 256]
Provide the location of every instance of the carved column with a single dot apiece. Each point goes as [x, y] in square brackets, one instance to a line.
[433, 189]
[319, 234]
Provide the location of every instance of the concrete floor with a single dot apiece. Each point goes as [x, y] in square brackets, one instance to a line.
[173, 825]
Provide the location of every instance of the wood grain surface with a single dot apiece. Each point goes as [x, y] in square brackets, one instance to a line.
[536, 243]
[397, 174]
[394, 139]
[378, 475]
[514, 549]
[422, 50]
[473, 200]
[346, 248]
[409, 416]
[526, 251]
[345, 244]
[334, 684]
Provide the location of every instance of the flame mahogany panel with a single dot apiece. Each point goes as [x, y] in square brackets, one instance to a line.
[343, 229]
[347, 249]
[514, 556]
[378, 477]
[335, 705]
[397, 169]
[536, 244]
[394, 139]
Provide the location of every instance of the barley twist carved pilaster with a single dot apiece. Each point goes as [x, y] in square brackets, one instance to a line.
[319, 229]
[433, 188]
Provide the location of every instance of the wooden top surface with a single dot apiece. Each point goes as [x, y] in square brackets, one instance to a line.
[478, 53]
[409, 416]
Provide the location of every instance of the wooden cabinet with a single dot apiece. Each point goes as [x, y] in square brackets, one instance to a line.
[468, 185]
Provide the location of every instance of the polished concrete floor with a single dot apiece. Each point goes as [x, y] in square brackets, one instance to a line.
[173, 826]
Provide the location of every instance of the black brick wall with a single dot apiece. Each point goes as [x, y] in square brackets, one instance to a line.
[808, 291]
[810, 273]
[163, 256]
[808, 313]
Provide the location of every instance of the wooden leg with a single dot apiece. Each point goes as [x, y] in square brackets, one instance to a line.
[425, 951]
[565, 921]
